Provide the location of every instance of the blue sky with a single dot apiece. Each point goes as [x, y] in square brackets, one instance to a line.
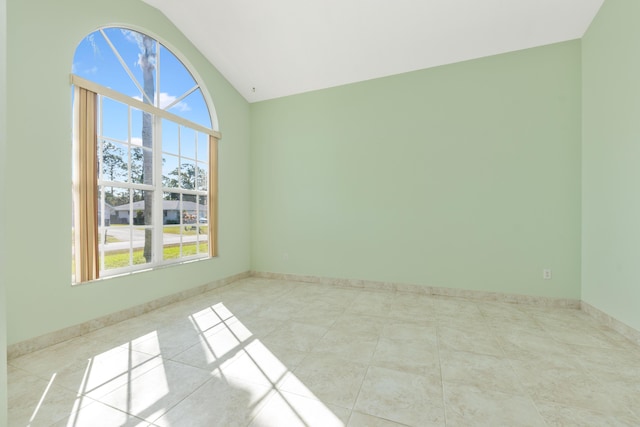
[94, 60]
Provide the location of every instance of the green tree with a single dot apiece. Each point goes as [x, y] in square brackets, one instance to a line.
[137, 172]
[188, 177]
[114, 167]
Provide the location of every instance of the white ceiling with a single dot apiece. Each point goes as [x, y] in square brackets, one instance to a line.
[284, 47]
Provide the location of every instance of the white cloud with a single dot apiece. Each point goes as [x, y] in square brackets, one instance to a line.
[133, 37]
[166, 99]
[136, 141]
[92, 41]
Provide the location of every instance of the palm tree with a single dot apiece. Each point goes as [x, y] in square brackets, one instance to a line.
[147, 61]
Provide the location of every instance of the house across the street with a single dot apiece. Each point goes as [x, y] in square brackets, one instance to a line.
[191, 212]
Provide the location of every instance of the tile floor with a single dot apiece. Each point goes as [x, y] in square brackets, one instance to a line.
[271, 353]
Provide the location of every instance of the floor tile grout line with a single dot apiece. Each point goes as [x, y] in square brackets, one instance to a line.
[355, 402]
[274, 385]
[521, 384]
[501, 343]
[442, 386]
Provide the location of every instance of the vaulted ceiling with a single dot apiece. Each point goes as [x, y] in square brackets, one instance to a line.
[270, 49]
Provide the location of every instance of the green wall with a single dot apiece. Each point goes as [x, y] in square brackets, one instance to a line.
[3, 136]
[468, 176]
[462, 176]
[42, 37]
[611, 161]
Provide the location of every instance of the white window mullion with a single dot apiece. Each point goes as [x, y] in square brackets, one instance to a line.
[119, 184]
[180, 98]
[181, 204]
[158, 217]
[131, 192]
[157, 66]
[129, 145]
[131, 226]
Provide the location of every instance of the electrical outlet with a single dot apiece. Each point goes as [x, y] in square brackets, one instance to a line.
[285, 256]
[546, 274]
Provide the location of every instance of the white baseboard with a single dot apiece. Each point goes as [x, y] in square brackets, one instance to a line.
[46, 340]
[425, 290]
[55, 337]
[622, 328]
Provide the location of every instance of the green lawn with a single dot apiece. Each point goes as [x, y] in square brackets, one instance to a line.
[118, 259]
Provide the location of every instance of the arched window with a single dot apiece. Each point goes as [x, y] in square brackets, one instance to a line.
[145, 158]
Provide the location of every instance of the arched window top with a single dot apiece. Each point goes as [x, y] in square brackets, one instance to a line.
[144, 158]
[118, 58]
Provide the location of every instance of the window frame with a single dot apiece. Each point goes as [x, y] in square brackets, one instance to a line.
[82, 274]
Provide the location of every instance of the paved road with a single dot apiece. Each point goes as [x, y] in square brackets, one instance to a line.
[123, 234]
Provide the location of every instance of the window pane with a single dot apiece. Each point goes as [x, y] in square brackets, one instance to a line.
[119, 202]
[172, 230]
[115, 246]
[171, 208]
[115, 239]
[202, 246]
[124, 242]
[105, 210]
[94, 60]
[138, 157]
[187, 142]
[191, 198]
[123, 246]
[142, 136]
[203, 147]
[186, 237]
[114, 161]
[170, 171]
[136, 127]
[193, 108]
[202, 178]
[130, 45]
[203, 242]
[142, 207]
[203, 209]
[147, 167]
[169, 137]
[142, 250]
[180, 81]
[141, 128]
[189, 210]
[171, 247]
[188, 175]
[115, 119]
